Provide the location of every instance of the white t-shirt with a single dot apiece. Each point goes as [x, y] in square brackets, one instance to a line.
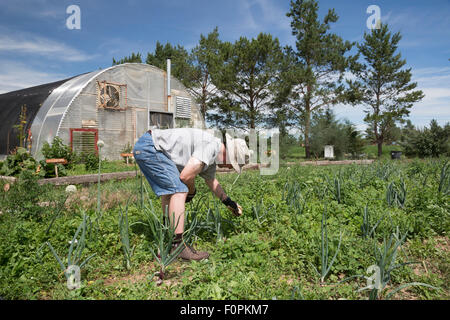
[181, 144]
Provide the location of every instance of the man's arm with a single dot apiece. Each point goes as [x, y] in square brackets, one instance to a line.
[216, 188]
[190, 171]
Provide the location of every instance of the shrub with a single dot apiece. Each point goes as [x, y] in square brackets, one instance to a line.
[326, 130]
[57, 150]
[90, 161]
[18, 162]
[429, 142]
[23, 197]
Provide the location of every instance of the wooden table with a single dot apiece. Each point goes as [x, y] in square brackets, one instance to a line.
[56, 161]
[126, 155]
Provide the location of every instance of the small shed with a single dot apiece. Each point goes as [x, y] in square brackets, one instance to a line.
[328, 152]
[116, 105]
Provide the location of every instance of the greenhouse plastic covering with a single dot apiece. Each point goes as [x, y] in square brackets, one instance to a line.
[58, 108]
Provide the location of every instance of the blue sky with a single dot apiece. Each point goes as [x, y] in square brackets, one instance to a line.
[36, 46]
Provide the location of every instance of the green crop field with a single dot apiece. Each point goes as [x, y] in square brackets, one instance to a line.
[306, 233]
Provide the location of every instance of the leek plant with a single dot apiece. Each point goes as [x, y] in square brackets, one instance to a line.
[336, 187]
[384, 171]
[192, 225]
[325, 264]
[76, 248]
[260, 212]
[164, 235]
[444, 181]
[214, 219]
[125, 236]
[296, 291]
[58, 211]
[367, 229]
[291, 191]
[292, 195]
[385, 263]
[100, 145]
[396, 194]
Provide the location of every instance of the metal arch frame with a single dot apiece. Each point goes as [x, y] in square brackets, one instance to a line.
[89, 81]
[95, 74]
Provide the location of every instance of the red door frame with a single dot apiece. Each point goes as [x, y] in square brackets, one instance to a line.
[84, 129]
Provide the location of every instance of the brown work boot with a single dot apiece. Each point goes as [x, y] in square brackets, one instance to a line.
[189, 253]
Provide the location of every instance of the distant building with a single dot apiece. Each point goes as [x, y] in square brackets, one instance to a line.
[116, 105]
[328, 152]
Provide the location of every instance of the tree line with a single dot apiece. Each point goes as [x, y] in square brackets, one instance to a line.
[253, 83]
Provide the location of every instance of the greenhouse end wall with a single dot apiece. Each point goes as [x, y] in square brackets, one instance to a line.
[77, 104]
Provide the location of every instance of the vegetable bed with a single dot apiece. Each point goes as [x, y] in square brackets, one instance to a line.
[306, 233]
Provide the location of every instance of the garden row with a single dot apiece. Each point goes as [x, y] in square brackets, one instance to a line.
[306, 233]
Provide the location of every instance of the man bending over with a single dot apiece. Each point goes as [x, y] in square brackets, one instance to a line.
[170, 159]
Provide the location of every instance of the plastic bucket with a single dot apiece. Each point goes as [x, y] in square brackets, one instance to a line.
[396, 154]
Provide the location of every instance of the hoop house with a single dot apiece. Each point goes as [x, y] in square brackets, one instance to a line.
[116, 105]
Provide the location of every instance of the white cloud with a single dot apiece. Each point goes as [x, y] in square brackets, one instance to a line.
[263, 15]
[35, 8]
[21, 43]
[435, 84]
[15, 76]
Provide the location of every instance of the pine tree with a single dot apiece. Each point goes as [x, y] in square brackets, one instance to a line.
[134, 58]
[205, 59]
[382, 86]
[245, 82]
[179, 56]
[320, 63]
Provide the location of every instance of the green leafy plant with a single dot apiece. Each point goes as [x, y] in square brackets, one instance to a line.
[23, 198]
[57, 150]
[17, 162]
[91, 161]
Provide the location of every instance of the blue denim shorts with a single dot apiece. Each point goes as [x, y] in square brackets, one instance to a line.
[160, 172]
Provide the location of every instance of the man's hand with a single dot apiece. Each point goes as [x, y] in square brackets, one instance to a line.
[234, 207]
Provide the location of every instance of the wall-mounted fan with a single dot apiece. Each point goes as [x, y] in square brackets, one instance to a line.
[109, 95]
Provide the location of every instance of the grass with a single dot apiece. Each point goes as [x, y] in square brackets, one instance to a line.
[268, 252]
[296, 153]
[106, 167]
[372, 151]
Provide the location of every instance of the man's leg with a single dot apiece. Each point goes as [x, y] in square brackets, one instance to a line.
[165, 201]
[176, 211]
[173, 205]
[176, 216]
